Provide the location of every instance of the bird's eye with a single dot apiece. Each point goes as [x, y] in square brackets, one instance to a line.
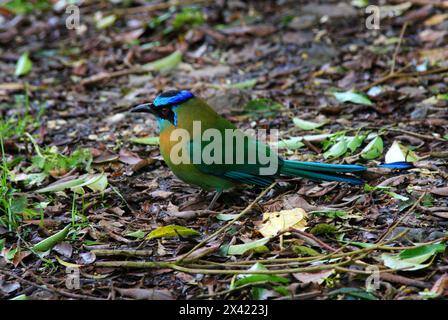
[166, 111]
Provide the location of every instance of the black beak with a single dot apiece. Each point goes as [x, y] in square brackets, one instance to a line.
[145, 107]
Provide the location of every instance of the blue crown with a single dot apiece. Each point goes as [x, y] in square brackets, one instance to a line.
[172, 98]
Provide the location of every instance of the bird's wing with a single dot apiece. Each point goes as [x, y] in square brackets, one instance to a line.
[239, 157]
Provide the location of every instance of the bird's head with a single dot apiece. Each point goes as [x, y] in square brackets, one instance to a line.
[164, 105]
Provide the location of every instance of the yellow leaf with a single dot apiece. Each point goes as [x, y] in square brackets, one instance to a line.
[172, 231]
[436, 19]
[68, 264]
[275, 222]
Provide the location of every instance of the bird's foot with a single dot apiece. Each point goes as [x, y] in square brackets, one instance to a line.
[215, 198]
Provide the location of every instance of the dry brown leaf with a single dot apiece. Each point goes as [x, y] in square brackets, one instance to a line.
[275, 222]
[440, 191]
[316, 277]
[436, 19]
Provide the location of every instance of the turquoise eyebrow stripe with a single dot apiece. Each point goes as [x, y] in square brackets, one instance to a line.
[180, 97]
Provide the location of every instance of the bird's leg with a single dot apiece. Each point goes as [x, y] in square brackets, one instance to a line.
[215, 198]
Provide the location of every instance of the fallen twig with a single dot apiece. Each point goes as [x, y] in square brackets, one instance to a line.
[122, 252]
[230, 223]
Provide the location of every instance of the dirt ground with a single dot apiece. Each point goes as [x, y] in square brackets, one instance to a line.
[261, 64]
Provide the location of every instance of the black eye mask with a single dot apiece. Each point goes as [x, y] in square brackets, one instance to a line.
[166, 113]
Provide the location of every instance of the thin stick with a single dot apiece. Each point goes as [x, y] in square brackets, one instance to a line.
[314, 238]
[384, 79]
[397, 49]
[145, 264]
[231, 222]
[122, 252]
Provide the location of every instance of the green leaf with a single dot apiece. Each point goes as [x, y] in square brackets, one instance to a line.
[396, 196]
[336, 150]
[99, 184]
[95, 182]
[283, 290]
[11, 254]
[302, 250]
[51, 241]
[240, 249]
[152, 141]
[354, 292]
[422, 251]
[442, 96]
[35, 178]
[429, 294]
[26, 6]
[291, 143]
[373, 150]
[323, 228]
[260, 278]
[394, 262]
[360, 3]
[413, 259]
[2, 244]
[354, 143]
[172, 231]
[306, 125]
[24, 65]
[106, 22]
[353, 97]
[165, 64]
[61, 185]
[330, 213]
[244, 85]
[21, 297]
[188, 17]
[261, 249]
[139, 234]
[50, 159]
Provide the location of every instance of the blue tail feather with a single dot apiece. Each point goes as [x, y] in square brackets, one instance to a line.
[322, 171]
[325, 167]
[397, 165]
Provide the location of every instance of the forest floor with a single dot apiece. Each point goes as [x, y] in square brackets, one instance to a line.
[84, 187]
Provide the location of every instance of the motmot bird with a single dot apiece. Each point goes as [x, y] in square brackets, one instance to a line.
[182, 109]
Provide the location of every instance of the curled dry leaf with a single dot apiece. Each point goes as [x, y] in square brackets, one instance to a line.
[129, 157]
[276, 222]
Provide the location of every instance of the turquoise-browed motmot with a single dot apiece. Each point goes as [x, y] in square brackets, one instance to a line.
[182, 110]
